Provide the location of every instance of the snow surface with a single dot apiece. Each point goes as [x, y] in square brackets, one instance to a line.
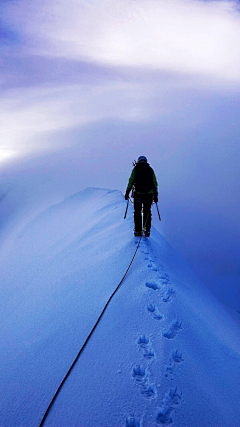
[166, 352]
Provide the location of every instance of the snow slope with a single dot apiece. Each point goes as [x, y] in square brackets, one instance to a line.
[165, 352]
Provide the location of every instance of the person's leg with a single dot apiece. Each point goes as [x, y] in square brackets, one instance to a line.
[147, 215]
[138, 215]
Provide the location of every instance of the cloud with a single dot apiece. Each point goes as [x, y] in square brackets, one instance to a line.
[188, 36]
[137, 61]
[29, 115]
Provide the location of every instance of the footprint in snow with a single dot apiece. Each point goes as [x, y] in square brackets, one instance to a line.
[149, 392]
[139, 374]
[164, 279]
[175, 327]
[155, 312]
[175, 359]
[152, 285]
[164, 416]
[157, 315]
[153, 267]
[168, 295]
[172, 399]
[149, 354]
[132, 421]
[145, 345]
[151, 307]
[143, 341]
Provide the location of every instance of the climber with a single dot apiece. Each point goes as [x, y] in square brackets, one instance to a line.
[145, 190]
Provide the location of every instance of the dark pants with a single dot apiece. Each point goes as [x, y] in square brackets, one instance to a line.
[142, 203]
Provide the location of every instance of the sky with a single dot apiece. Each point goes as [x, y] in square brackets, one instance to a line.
[88, 87]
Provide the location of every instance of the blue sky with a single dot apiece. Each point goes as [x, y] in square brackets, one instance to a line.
[89, 88]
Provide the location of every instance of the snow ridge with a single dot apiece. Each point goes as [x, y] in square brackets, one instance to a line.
[165, 352]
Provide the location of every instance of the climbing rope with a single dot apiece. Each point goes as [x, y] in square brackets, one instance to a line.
[89, 336]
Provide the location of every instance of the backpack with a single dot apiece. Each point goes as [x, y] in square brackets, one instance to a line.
[143, 178]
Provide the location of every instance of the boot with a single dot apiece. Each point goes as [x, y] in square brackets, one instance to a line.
[138, 233]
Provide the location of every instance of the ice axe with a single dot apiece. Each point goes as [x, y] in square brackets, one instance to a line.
[158, 212]
[126, 209]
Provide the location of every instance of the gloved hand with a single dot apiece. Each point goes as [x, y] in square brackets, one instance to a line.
[155, 198]
[126, 195]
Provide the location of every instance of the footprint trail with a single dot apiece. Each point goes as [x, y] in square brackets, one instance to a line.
[159, 293]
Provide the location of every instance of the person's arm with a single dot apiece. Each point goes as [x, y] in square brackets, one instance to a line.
[155, 189]
[130, 184]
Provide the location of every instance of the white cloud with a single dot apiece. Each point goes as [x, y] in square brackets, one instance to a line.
[189, 36]
[29, 113]
[6, 154]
